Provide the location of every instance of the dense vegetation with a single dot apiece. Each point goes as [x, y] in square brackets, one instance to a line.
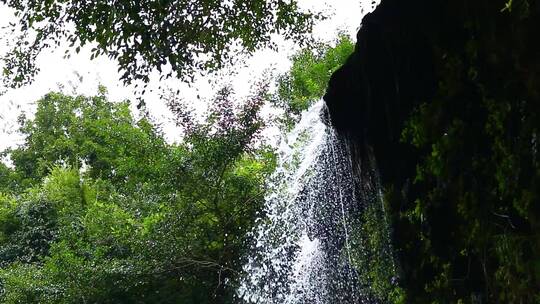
[98, 208]
[176, 38]
[469, 230]
[307, 79]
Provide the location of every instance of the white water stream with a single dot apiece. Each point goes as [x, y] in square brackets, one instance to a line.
[302, 247]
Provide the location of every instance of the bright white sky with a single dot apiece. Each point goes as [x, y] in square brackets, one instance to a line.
[80, 75]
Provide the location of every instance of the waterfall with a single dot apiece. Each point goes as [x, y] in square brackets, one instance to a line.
[322, 238]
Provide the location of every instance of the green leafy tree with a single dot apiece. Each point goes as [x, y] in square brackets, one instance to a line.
[30, 222]
[179, 37]
[220, 192]
[9, 179]
[80, 236]
[91, 133]
[308, 77]
[69, 243]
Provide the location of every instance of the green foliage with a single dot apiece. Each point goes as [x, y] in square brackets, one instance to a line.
[308, 77]
[177, 38]
[88, 132]
[27, 228]
[8, 178]
[470, 232]
[142, 221]
[372, 252]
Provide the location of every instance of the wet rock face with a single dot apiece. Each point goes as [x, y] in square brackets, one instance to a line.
[389, 73]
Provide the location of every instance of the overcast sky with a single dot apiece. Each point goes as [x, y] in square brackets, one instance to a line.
[81, 75]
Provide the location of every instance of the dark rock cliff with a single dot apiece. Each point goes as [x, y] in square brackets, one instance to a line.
[446, 96]
[390, 72]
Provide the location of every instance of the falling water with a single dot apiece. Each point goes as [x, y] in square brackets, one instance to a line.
[316, 241]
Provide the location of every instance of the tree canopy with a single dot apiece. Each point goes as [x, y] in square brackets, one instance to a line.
[307, 79]
[87, 132]
[99, 208]
[177, 38]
